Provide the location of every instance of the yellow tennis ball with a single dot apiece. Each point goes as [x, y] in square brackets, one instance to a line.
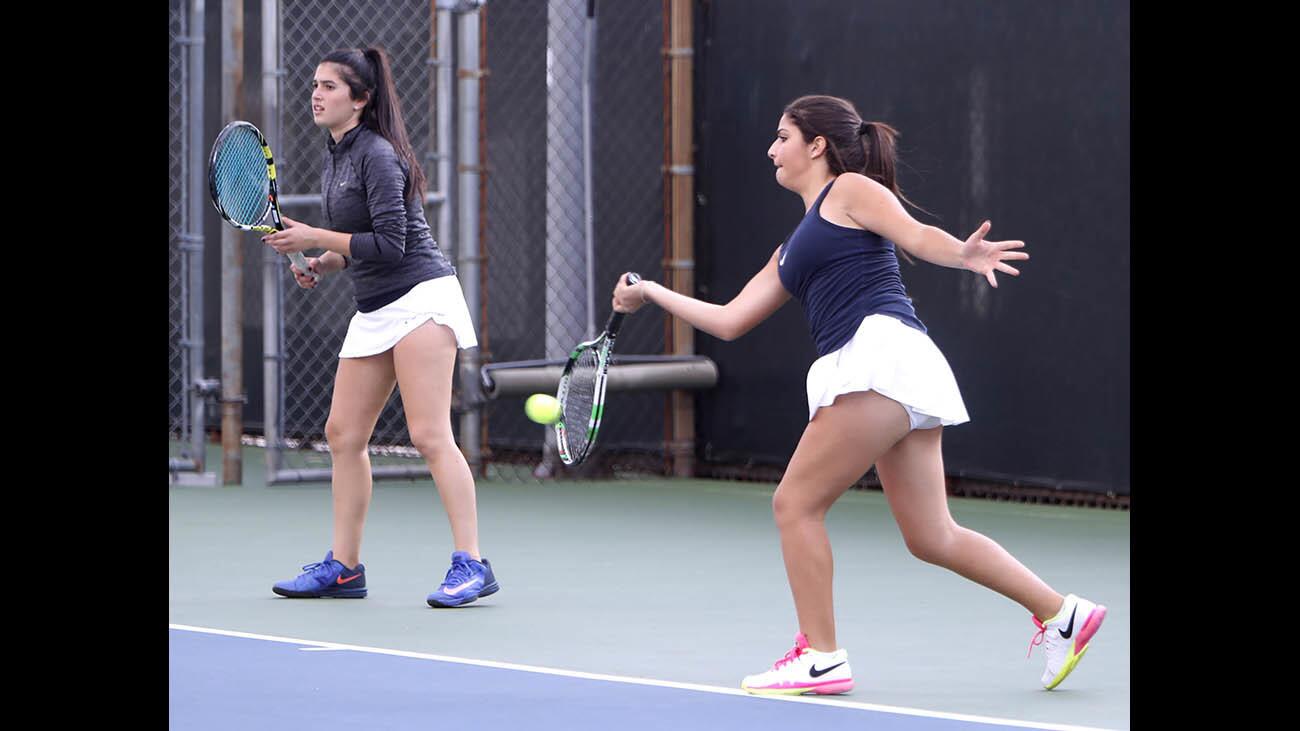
[542, 408]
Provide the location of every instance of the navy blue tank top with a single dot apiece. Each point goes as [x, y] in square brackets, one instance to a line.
[841, 275]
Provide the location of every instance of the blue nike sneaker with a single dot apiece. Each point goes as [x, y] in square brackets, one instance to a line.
[329, 578]
[465, 581]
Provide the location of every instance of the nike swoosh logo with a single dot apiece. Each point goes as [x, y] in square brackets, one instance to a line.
[1069, 630]
[461, 588]
[342, 580]
[818, 673]
[781, 263]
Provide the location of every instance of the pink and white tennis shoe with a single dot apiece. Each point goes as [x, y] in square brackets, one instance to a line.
[1066, 637]
[804, 670]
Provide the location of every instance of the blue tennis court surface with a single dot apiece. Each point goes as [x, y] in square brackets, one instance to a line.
[239, 681]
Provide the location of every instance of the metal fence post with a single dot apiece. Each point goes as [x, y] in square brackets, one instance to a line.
[272, 263]
[194, 243]
[467, 265]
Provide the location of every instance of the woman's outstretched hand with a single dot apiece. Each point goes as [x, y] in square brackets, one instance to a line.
[986, 257]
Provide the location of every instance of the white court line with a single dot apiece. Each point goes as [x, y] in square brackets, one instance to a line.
[317, 645]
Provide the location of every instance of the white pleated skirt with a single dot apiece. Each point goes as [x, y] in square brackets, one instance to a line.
[440, 300]
[896, 361]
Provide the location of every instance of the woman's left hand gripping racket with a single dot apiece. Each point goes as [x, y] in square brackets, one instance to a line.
[241, 180]
[582, 390]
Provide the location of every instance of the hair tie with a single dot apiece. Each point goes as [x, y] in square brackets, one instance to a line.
[863, 128]
[370, 55]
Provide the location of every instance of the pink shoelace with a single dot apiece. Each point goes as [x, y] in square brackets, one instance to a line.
[1038, 638]
[800, 645]
[790, 657]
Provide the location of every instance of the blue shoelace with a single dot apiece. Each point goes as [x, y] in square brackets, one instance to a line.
[459, 573]
[318, 570]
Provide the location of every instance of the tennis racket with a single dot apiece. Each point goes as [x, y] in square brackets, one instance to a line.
[241, 181]
[582, 390]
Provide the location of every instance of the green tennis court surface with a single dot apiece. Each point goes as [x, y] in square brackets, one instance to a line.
[670, 580]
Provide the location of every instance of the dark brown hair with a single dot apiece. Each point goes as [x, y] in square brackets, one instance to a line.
[369, 77]
[852, 145]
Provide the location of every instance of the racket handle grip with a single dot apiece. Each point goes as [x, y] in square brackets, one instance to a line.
[300, 261]
[616, 318]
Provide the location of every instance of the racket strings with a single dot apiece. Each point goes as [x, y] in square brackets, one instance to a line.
[240, 177]
[580, 401]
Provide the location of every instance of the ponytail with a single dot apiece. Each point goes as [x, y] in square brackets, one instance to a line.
[384, 115]
[880, 151]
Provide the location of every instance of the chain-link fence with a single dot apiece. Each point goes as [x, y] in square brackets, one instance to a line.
[516, 224]
[315, 321]
[540, 297]
[539, 301]
[547, 267]
[628, 135]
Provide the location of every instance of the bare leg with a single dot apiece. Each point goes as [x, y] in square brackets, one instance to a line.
[912, 476]
[838, 446]
[425, 360]
[361, 388]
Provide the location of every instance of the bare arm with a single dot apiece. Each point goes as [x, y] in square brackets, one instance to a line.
[331, 261]
[332, 241]
[762, 296]
[875, 208]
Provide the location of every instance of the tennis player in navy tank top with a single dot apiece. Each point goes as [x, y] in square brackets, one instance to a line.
[880, 391]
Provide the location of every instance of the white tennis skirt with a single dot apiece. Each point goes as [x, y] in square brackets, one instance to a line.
[896, 361]
[440, 300]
